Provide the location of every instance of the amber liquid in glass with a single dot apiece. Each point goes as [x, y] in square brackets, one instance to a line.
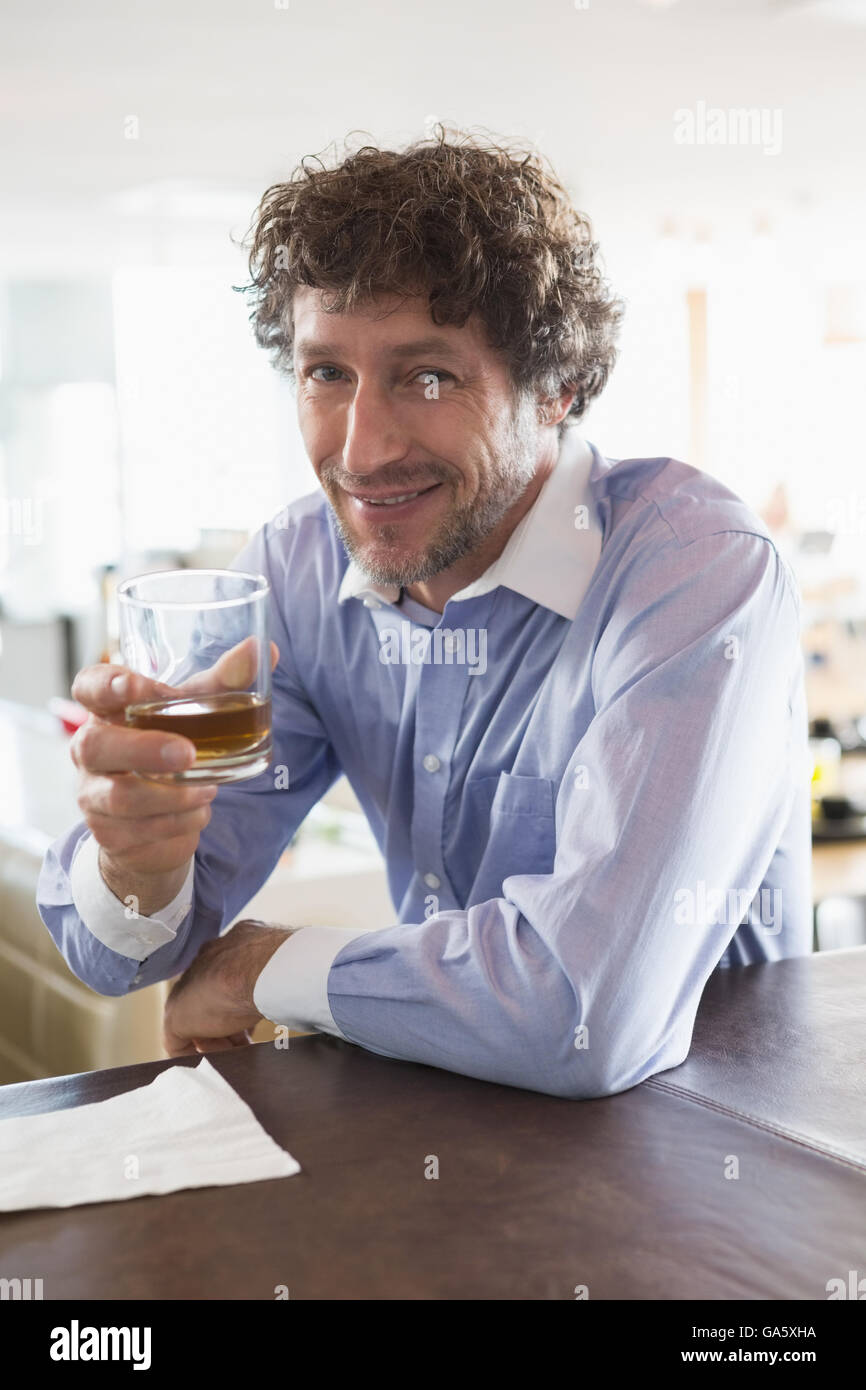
[220, 726]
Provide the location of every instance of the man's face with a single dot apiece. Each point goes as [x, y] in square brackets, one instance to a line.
[413, 431]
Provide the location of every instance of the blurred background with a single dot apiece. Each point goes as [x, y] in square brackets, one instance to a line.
[719, 147]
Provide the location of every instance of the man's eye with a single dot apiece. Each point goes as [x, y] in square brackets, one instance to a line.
[424, 375]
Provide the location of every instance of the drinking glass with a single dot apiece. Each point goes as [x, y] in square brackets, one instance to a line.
[203, 635]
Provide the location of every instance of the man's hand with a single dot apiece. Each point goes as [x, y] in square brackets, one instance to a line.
[147, 831]
[210, 1008]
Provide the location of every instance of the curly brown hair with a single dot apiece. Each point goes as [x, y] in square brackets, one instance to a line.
[480, 227]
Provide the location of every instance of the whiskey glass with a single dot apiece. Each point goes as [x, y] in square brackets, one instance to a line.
[202, 636]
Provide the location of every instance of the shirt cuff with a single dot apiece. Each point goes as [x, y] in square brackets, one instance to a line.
[115, 923]
[293, 987]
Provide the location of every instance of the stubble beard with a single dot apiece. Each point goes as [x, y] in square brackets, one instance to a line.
[463, 529]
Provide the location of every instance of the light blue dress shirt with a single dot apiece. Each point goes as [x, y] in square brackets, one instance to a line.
[588, 778]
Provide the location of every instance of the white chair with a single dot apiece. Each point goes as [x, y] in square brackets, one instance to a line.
[840, 923]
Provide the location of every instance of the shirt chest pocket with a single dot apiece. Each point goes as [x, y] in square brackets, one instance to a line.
[514, 829]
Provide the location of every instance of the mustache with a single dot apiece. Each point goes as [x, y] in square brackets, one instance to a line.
[383, 478]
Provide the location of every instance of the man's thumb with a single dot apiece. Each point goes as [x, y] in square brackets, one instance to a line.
[235, 670]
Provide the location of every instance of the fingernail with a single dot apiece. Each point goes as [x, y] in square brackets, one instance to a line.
[120, 687]
[176, 755]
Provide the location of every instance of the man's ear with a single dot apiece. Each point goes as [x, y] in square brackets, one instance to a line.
[550, 410]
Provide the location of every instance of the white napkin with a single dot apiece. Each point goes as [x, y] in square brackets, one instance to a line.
[188, 1128]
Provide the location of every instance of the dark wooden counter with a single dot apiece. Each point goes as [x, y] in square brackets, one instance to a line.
[535, 1195]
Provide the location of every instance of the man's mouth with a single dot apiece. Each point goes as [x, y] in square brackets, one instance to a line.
[367, 502]
[390, 501]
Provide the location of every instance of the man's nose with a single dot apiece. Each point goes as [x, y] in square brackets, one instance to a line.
[374, 433]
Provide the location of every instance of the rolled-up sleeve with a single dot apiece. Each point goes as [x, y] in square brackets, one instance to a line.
[585, 981]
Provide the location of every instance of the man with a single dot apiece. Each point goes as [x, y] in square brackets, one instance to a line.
[567, 692]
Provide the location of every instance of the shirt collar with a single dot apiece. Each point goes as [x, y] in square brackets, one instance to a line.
[550, 555]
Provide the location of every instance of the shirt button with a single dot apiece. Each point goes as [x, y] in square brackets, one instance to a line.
[432, 763]
[432, 881]
[372, 603]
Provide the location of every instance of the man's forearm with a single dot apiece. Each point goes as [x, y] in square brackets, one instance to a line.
[213, 1000]
[150, 891]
